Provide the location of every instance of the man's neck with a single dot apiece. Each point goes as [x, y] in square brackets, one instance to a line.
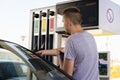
[76, 29]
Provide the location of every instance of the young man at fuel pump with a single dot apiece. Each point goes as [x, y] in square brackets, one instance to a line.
[81, 56]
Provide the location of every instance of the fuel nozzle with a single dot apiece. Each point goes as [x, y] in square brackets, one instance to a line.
[52, 13]
[44, 14]
[36, 15]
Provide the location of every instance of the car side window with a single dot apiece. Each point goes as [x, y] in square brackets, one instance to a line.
[13, 67]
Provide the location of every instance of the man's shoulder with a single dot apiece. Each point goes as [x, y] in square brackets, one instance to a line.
[77, 35]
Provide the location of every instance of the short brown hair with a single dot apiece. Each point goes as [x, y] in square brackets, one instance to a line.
[73, 14]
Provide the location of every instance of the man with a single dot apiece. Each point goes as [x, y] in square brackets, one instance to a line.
[81, 57]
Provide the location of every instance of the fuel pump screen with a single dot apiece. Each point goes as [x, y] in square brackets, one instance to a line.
[85, 6]
[103, 64]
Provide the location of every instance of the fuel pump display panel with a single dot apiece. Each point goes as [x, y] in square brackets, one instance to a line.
[88, 10]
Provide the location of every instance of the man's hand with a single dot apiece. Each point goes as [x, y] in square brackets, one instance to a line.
[40, 53]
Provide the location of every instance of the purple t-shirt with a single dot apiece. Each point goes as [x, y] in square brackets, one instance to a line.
[81, 48]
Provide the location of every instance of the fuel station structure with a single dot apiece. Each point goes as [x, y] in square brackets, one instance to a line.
[47, 31]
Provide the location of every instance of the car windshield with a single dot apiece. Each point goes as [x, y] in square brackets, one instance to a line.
[43, 69]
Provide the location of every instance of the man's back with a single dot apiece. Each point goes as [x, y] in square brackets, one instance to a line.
[81, 48]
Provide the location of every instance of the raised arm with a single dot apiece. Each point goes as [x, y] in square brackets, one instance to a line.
[53, 52]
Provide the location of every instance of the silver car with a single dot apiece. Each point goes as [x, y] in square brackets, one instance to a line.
[19, 63]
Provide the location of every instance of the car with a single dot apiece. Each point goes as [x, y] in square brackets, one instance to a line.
[20, 63]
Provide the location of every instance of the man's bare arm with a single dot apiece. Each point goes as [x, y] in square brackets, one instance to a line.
[68, 66]
[53, 52]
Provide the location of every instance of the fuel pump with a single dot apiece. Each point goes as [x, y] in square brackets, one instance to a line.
[42, 32]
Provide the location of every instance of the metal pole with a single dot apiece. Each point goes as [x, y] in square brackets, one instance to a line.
[40, 32]
[47, 35]
[32, 42]
[47, 32]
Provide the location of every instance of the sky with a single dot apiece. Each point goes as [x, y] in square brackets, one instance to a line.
[15, 15]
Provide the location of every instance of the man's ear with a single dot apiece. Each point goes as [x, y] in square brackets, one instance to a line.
[69, 22]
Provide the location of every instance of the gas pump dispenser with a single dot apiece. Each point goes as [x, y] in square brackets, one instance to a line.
[47, 31]
[42, 29]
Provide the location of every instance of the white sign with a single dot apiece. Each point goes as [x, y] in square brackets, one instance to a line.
[109, 16]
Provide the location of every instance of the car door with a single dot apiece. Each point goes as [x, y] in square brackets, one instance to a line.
[13, 67]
